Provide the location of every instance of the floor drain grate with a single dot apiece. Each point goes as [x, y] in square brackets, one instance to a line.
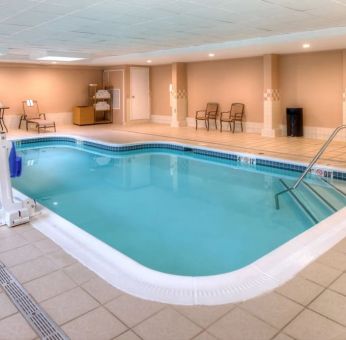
[44, 326]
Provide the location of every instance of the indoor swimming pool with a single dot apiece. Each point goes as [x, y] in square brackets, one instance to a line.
[171, 209]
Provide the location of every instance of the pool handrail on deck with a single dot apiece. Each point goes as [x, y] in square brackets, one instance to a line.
[311, 164]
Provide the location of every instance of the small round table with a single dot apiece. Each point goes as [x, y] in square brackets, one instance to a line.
[2, 122]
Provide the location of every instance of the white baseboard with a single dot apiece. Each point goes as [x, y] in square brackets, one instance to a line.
[250, 127]
[315, 132]
[253, 127]
[161, 119]
[60, 118]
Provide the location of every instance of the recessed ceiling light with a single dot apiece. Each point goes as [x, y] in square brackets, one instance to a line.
[54, 62]
[149, 61]
[211, 55]
[306, 45]
[56, 58]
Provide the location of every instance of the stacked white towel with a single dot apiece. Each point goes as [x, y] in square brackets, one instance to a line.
[102, 106]
[102, 94]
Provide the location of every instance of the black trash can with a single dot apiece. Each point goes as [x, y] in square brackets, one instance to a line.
[294, 121]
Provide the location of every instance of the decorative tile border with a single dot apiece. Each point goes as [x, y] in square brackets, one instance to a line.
[271, 95]
[240, 158]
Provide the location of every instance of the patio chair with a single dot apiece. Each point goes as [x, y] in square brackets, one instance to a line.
[235, 114]
[210, 113]
[32, 115]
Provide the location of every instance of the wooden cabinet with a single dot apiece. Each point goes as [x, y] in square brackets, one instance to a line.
[83, 115]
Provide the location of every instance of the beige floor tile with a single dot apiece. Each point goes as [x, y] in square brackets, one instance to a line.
[33, 235]
[132, 310]
[331, 305]
[101, 290]
[204, 316]
[98, 324]
[169, 325]
[69, 305]
[16, 328]
[20, 255]
[334, 259]
[205, 336]
[239, 324]
[6, 306]
[282, 336]
[47, 246]
[300, 290]
[129, 335]
[273, 309]
[49, 286]
[30, 270]
[79, 273]
[339, 285]
[21, 228]
[320, 273]
[340, 337]
[341, 246]
[11, 242]
[61, 258]
[312, 326]
[9, 232]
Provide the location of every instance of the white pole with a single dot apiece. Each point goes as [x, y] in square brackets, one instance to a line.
[5, 179]
[11, 213]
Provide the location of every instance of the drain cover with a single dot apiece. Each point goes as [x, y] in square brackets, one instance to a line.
[44, 326]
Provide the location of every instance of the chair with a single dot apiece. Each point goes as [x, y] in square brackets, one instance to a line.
[3, 126]
[209, 113]
[235, 114]
[32, 115]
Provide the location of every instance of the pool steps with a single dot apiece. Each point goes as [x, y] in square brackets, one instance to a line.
[318, 199]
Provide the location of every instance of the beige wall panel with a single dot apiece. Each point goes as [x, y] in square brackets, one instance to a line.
[160, 78]
[56, 89]
[227, 81]
[313, 81]
[116, 79]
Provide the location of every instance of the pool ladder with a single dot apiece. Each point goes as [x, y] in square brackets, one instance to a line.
[306, 171]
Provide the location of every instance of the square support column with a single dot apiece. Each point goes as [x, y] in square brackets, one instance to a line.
[178, 95]
[271, 97]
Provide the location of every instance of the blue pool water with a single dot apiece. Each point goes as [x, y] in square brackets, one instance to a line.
[171, 211]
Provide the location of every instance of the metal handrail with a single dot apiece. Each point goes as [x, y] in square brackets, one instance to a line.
[311, 164]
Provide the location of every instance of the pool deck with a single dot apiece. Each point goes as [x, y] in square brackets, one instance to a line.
[311, 306]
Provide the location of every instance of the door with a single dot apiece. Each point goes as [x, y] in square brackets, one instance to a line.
[139, 93]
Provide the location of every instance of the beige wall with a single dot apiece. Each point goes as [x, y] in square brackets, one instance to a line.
[160, 78]
[57, 89]
[225, 82]
[313, 81]
[309, 80]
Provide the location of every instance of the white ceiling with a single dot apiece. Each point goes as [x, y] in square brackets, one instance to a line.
[110, 32]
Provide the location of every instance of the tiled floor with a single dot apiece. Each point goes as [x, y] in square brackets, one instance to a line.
[312, 306]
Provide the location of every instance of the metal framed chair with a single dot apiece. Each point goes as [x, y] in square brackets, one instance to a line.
[32, 115]
[210, 113]
[235, 114]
